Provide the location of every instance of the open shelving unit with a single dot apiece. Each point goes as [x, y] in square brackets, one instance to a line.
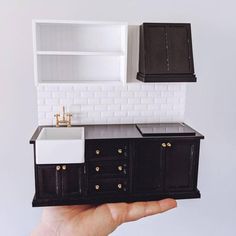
[80, 52]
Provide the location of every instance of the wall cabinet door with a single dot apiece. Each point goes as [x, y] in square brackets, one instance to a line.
[48, 179]
[148, 166]
[169, 48]
[71, 180]
[179, 49]
[156, 61]
[180, 163]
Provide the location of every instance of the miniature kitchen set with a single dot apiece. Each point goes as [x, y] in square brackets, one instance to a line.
[114, 140]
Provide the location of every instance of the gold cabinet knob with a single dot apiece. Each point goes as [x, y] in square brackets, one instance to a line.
[97, 187]
[97, 168]
[119, 186]
[97, 152]
[58, 168]
[168, 144]
[120, 151]
[163, 145]
[120, 168]
[64, 167]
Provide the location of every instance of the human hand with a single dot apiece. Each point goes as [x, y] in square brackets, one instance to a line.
[89, 220]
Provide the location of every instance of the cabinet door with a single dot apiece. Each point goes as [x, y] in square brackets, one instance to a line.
[71, 180]
[48, 181]
[156, 53]
[148, 166]
[180, 163]
[179, 49]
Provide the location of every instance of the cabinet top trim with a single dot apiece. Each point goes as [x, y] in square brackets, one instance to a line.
[38, 21]
[117, 131]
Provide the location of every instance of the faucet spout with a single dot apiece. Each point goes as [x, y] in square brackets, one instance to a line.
[63, 113]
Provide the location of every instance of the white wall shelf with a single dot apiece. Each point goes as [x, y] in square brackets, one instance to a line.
[80, 52]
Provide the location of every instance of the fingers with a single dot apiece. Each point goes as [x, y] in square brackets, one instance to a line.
[142, 209]
[124, 212]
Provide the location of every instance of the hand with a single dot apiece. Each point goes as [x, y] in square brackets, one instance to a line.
[88, 220]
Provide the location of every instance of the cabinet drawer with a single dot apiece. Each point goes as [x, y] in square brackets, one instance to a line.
[106, 149]
[108, 186]
[108, 168]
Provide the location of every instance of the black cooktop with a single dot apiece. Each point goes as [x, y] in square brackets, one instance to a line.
[165, 129]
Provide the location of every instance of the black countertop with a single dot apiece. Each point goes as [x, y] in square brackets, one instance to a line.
[123, 131]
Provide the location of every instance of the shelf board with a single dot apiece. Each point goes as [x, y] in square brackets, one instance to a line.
[79, 53]
[97, 82]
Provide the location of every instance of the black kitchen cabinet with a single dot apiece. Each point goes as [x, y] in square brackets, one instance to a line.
[148, 166]
[165, 53]
[107, 166]
[168, 166]
[71, 180]
[181, 162]
[138, 166]
[59, 181]
[47, 181]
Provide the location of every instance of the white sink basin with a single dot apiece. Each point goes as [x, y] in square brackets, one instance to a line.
[60, 145]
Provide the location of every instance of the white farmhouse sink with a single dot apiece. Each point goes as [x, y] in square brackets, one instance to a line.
[60, 145]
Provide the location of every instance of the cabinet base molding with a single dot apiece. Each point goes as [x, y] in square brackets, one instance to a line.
[108, 199]
[166, 77]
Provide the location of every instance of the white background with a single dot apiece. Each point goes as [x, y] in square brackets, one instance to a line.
[210, 108]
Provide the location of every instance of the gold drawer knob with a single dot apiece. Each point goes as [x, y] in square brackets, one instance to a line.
[168, 144]
[97, 187]
[120, 151]
[64, 167]
[119, 186]
[97, 168]
[120, 168]
[97, 151]
[163, 145]
[58, 168]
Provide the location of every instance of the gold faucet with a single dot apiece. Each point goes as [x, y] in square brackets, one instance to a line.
[65, 120]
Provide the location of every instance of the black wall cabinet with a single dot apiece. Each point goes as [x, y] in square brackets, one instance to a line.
[165, 53]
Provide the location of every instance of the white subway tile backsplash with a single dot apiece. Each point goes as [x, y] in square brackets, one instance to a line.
[98, 104]
[61, 94]
[66, 101]
[114, 107]
[100, 107]
[51, 88]
[120, 100]
[120, 113]
[127, 107]
[127, 94]
[44, 94]
[52, 101]
[142, 107]
[107, 113]
[81, 101]
[134, 100]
